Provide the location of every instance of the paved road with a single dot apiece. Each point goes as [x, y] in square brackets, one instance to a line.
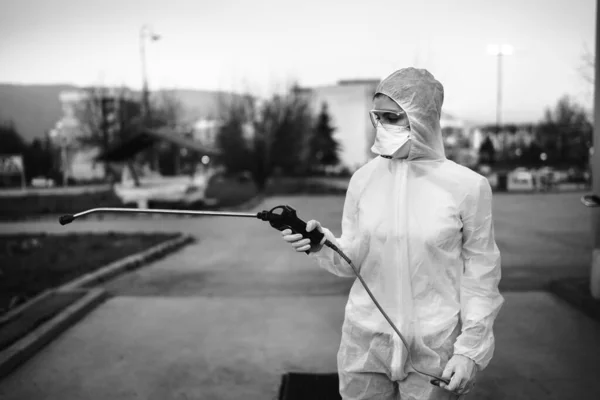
[229, 348]
[541, 237]
[225, 317]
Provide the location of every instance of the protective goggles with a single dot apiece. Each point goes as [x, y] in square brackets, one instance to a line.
[388, 117]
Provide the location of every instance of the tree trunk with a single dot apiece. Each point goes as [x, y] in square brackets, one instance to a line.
[260, 182]
[136, 179]
[177, 159]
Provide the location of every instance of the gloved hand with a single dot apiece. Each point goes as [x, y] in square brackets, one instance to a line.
[301, 244]
[461, 371]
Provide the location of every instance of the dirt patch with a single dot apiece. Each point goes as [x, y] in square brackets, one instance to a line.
[32, 263]
[30, 205]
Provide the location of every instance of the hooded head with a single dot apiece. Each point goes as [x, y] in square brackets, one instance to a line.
[421, 96]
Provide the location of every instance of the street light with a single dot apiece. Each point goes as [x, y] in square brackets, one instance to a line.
[146, 33]
[499, 51]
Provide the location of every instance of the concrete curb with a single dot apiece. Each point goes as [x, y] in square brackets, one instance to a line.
[27, 346]
[128, 263]
[15, 312]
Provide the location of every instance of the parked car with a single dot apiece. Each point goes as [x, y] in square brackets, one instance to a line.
[42, 182]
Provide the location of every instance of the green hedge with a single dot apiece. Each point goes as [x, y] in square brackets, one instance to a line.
[32, 205]
[228, 192]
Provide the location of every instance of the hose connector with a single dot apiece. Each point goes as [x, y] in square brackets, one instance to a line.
[263, 215]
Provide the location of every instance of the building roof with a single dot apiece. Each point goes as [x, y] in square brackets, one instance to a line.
[345, 82]
[128, 148]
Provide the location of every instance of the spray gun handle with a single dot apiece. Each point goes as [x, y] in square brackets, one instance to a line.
[288, 219]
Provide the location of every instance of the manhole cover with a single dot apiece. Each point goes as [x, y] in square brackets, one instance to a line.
[303, 386]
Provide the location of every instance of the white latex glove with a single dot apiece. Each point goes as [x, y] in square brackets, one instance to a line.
[299, 242]
[461, 371]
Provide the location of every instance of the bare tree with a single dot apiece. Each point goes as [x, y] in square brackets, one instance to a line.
[280, 126]
[105, 116]
[166, 110]
[587, 68]
[108, 116]
[566, 133]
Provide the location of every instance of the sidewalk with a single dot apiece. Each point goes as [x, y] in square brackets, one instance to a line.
[545, 349]
[217, 348]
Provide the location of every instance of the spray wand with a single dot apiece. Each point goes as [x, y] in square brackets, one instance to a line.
[285, 219]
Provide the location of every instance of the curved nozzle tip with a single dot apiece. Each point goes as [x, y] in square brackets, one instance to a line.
[66, 219]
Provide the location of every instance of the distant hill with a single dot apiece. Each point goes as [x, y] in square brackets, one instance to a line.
[34, 109]
[201, 103]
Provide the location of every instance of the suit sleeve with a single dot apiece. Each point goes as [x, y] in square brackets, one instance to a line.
[326, 257]
[479, 295]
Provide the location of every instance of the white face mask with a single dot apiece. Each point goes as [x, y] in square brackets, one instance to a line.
[390, 139]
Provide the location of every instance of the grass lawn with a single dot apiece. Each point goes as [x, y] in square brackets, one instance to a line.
[227, 191]
[230, 192]
[30, 264]
[38, 204]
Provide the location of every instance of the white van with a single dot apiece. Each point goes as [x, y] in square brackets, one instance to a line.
[521, 179]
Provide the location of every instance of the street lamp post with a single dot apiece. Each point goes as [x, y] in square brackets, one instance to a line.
[146, 33]
[499, 51]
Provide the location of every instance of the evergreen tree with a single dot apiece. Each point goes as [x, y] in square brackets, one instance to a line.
[487, 152]
[324, 148]
[231, 142]
[291, 134]
[12, 142]
[280, 128]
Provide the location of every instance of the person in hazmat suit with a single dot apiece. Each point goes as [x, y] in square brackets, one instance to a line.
[419, 229]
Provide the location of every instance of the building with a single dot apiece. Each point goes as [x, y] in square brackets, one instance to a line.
[205, 131]
[348, 105]
[509, 141]
[458, 141]
[75, 162]
[83, 111]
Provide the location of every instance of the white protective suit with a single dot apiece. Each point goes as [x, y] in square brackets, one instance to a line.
[420, 232]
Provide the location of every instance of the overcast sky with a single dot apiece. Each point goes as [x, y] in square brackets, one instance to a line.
[261, 45]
